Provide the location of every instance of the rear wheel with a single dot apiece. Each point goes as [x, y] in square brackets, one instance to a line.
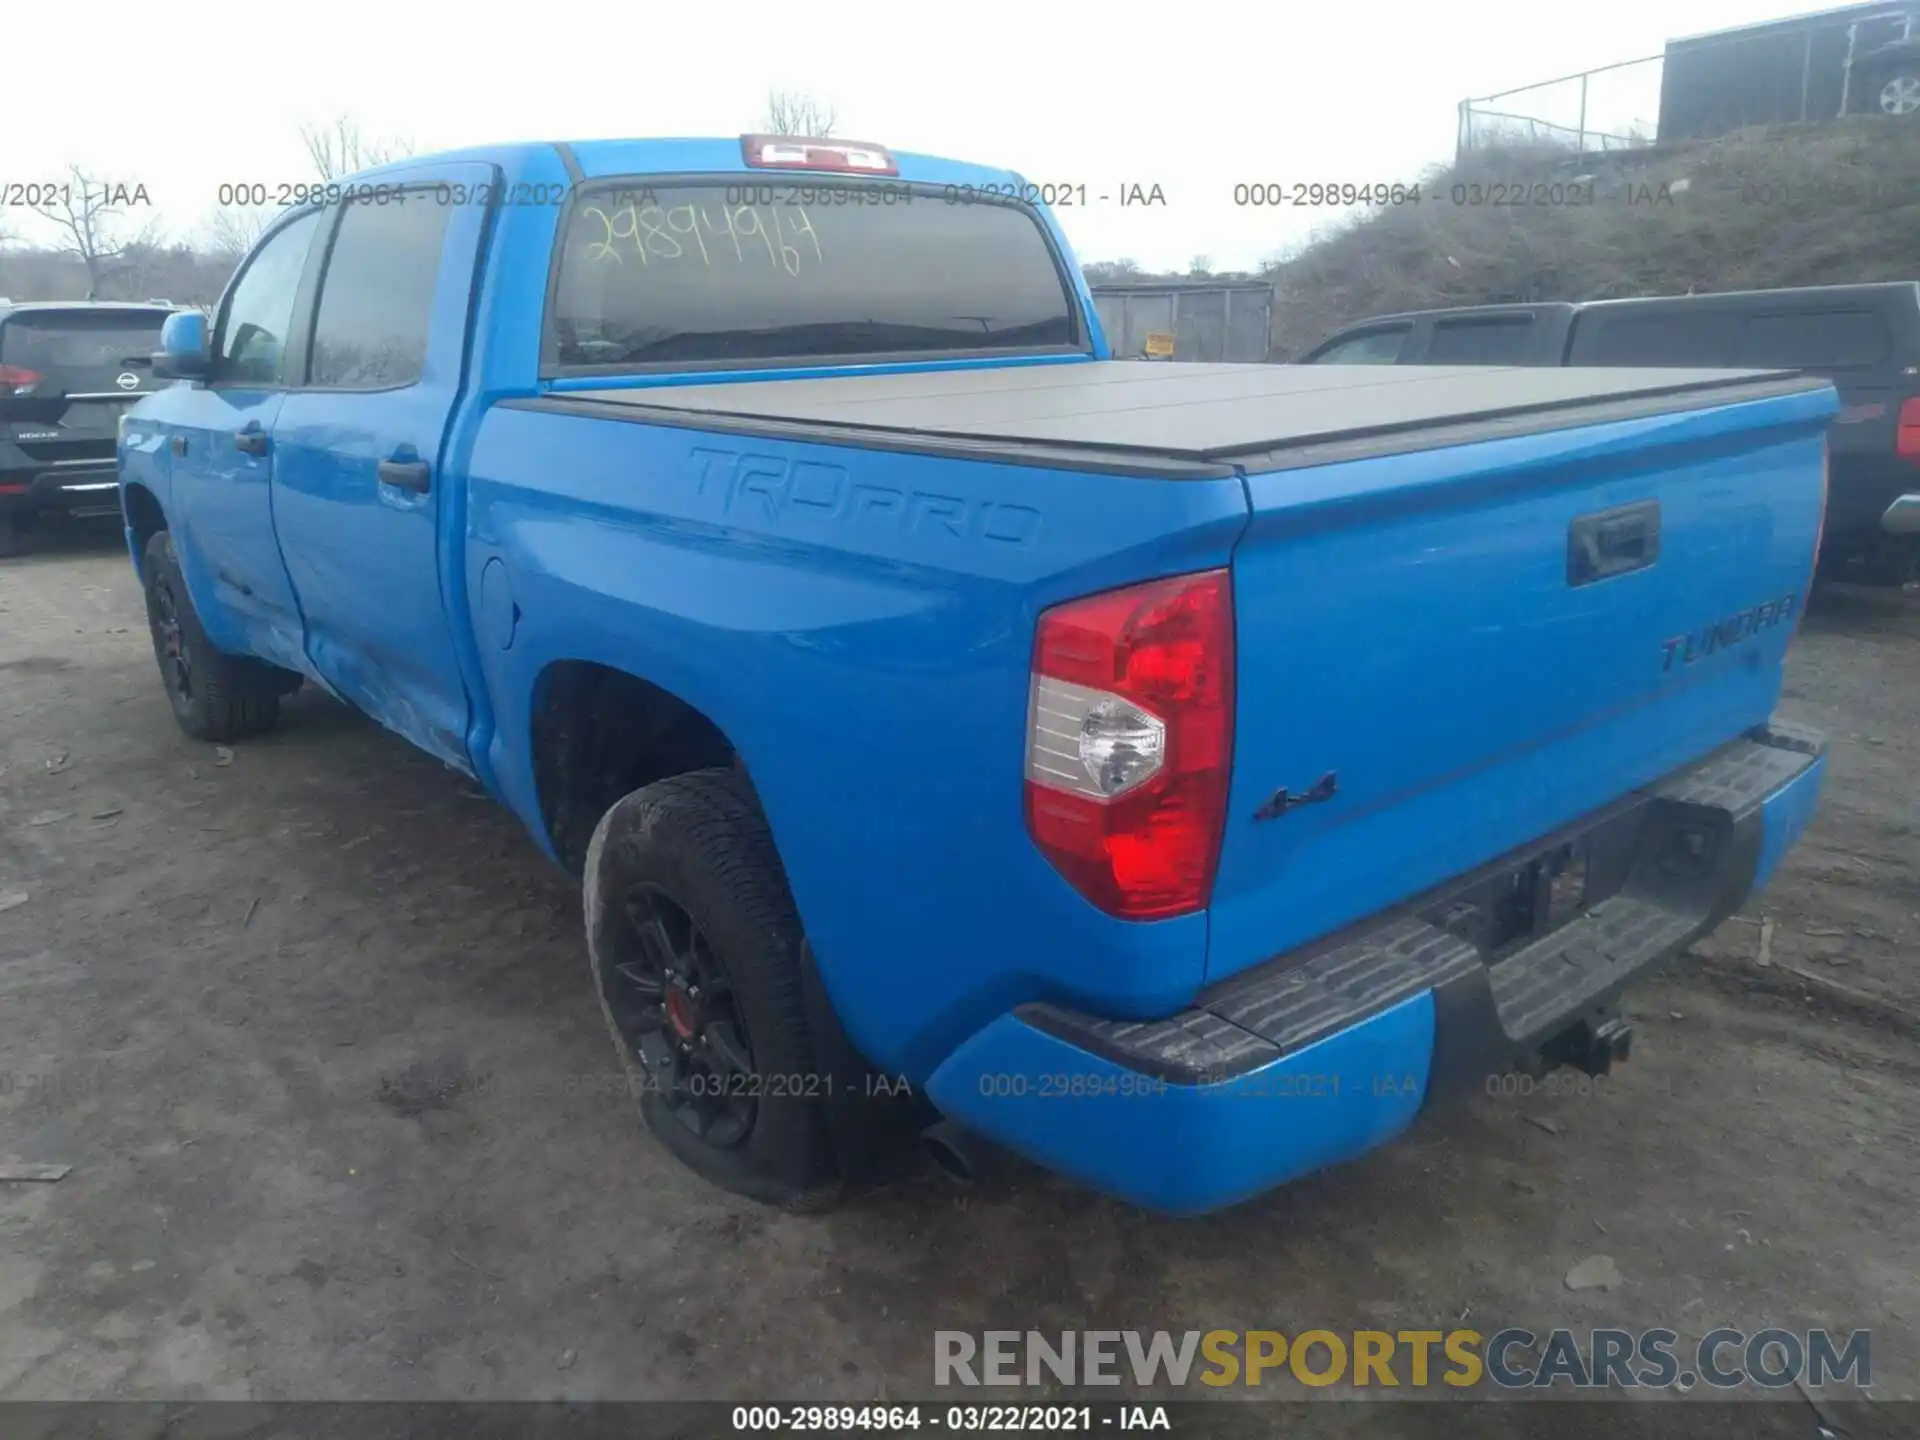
[1900, 92]
[215, 696]
[695, 947]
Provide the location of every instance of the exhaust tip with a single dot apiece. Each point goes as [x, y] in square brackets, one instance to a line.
[947, 1146]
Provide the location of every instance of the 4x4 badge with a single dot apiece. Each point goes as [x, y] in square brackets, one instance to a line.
[1283, 800]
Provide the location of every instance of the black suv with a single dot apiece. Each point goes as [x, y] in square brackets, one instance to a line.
[1864, 338]
[68, 370]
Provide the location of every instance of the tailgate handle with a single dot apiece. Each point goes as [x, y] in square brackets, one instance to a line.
[1613, 542]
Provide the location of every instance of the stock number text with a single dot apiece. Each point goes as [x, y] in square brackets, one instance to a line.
[1324, 192]
[300, 192]
[818, 195]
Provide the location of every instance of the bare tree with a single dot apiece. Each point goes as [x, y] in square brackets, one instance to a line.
[1200, 268]
[233, 230]
[342, 148]
[91, 219]
[791, 113]
[1100, 272]
[147, 263]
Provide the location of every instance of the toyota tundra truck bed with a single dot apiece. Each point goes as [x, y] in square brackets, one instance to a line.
[1506, 647]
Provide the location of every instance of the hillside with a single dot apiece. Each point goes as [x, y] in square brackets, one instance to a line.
[1757, 209]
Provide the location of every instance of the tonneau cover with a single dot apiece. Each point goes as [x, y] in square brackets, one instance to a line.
[1196, 416]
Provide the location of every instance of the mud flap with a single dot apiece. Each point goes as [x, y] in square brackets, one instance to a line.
[873, 1121]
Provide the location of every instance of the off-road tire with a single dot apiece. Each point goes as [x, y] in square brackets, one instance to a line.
[701, 838]
[217, 697]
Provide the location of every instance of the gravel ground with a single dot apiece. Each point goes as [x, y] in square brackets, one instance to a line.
[310, 1020]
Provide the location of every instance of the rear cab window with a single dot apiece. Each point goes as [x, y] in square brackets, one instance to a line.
[738, 271]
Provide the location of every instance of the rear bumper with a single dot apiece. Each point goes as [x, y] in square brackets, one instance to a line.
[1318, 1056]
[89, 487]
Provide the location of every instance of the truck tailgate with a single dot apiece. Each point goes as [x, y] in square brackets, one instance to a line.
[1450, 652]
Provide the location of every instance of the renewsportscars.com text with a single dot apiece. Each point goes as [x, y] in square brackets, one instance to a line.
[1509, 1359]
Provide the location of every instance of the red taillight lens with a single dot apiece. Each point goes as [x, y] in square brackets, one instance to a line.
[13, 377]
[1906, 437]
[1130, 742]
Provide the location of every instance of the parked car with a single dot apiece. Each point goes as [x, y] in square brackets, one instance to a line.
[1865, 338]
[1887, 80]
[68, 371]
[1179, 774]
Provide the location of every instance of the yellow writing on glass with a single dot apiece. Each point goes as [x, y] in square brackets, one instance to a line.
[657, 234]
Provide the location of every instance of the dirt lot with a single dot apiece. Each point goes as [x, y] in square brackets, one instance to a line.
[311, 1023]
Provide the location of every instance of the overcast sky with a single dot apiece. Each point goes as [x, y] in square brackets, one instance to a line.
[1193, 97]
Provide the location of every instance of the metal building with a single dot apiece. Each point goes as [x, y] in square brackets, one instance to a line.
[1861, 59]
[1199, 319]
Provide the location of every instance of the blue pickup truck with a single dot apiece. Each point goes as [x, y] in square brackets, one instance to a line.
[1179, 775]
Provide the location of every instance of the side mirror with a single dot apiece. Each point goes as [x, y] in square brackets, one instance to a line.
[183, 353]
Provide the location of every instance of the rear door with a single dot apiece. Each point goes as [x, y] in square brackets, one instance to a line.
[359, 492]
[1478, 340]
[69, 374]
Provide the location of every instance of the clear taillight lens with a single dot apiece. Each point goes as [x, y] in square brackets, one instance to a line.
[1130, 740]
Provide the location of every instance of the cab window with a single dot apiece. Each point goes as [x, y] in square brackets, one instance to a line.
[1371, 347]
[250, 348]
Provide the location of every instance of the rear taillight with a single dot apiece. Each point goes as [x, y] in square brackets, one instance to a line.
[1130, 742]
[14, 378]
[1906, 435]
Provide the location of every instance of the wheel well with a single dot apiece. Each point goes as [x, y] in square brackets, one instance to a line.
[145, 516]
[599, 734]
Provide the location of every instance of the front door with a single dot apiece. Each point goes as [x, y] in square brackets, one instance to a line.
[222, 462]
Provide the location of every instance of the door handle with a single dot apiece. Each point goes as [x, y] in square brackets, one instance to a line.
[405, 475]
[251, 442]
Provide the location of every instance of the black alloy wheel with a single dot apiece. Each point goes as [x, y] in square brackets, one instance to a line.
[169, 643]
[676, 1011]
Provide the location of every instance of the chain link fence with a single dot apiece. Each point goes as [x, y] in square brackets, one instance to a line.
[1613, 107]
[1864, 59]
